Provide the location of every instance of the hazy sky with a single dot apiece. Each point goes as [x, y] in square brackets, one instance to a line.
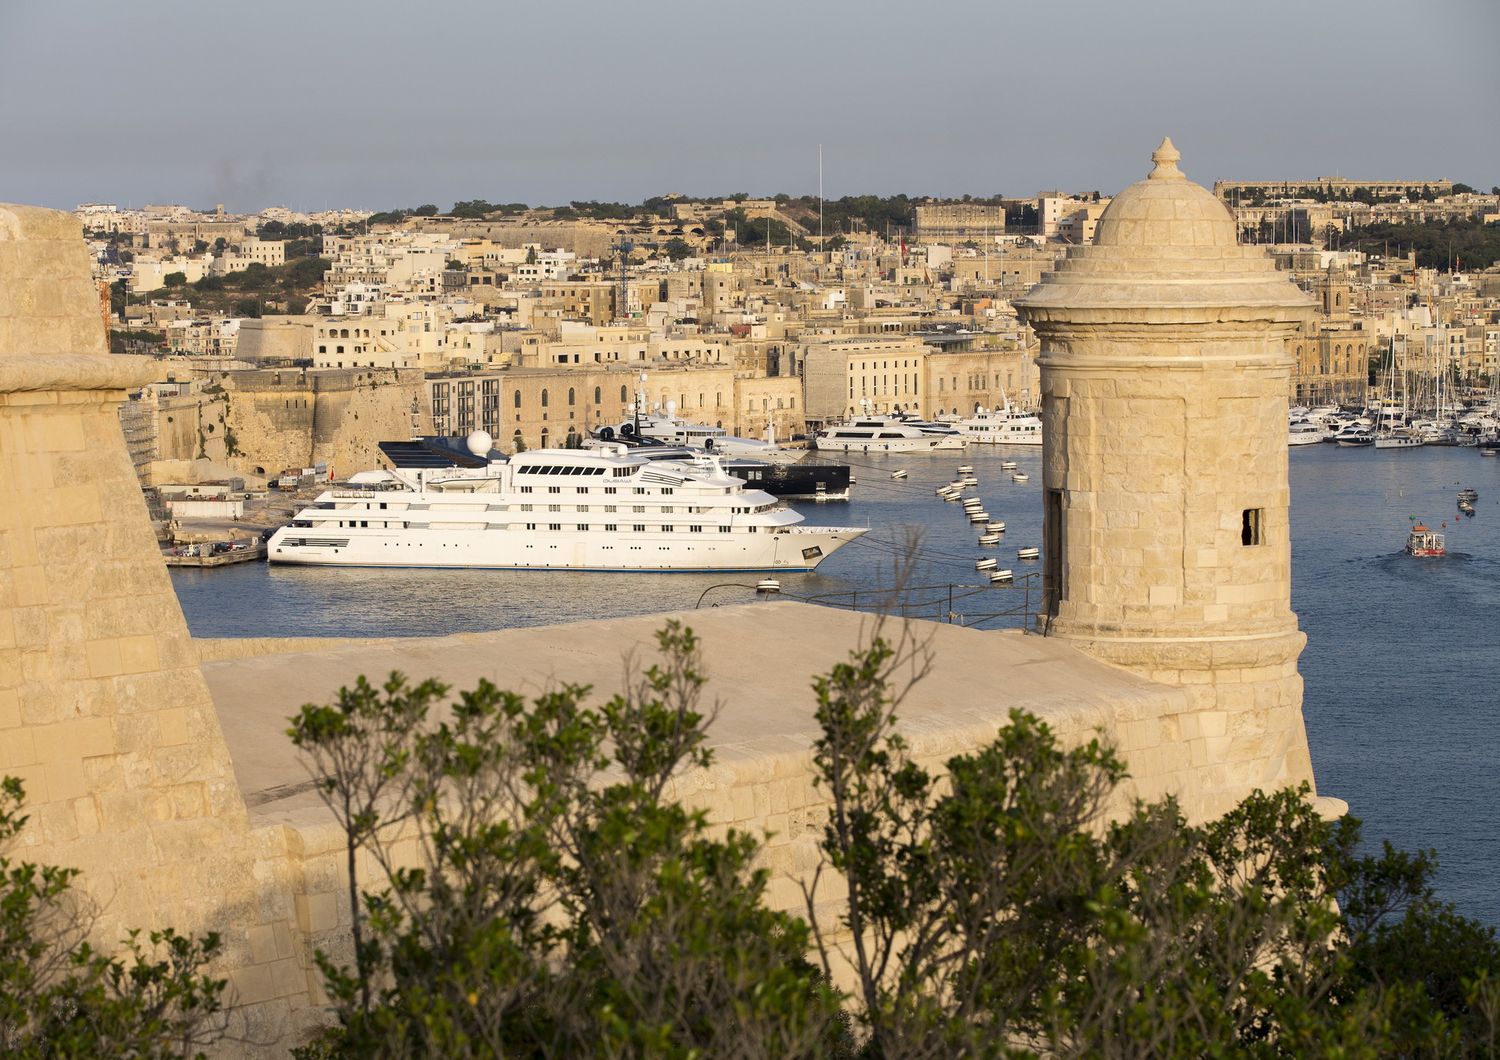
[379, 104]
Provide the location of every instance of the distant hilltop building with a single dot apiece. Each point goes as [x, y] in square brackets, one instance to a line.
[1340, 187]
[957, 222]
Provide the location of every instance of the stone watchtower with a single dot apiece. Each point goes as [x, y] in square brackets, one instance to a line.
[1164, 375]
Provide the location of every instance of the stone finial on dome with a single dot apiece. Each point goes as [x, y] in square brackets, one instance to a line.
[1166, 157]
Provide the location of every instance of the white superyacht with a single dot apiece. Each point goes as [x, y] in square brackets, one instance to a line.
[1007, 425]
[885, 434]
[604, 509]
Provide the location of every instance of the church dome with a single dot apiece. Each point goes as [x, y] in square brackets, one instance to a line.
[1166, 210]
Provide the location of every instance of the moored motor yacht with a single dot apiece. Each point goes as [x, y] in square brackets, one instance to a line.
[801, 480]
[1007, 425]
[672, 429]
[1305, 432]
[608, 509]
[884, 434]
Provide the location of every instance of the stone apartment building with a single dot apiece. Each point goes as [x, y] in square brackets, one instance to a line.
[240, 256]
[845, 376]
[1330, 349]
[958, 222]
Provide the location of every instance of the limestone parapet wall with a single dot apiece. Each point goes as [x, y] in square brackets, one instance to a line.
[762, 778]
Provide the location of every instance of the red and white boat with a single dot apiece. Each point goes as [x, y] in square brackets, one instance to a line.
[1425, 542]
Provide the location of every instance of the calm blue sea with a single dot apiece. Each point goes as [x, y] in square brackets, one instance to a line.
[1402, 665]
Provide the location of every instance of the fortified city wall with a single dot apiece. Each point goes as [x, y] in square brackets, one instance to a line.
[159, 766]
[300, 417]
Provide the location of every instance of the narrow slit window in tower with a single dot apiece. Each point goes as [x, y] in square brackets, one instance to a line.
[1250, 526]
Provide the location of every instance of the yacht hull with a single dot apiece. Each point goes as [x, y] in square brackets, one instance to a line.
[793, 549]
[890, 445]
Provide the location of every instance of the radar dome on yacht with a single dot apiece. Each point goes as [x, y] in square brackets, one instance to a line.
[480, 443]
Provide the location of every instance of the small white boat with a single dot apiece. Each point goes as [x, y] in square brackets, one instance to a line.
[950, 497]
[1009, 465]
[985, 564]
[979, 517]
[956, 484]
[1030, 552]
[973, 502]
[1020, 476]
[989, 537]
[996, 526]
[965, 469]
[1001, 575]
[970, 481]
[898, 474]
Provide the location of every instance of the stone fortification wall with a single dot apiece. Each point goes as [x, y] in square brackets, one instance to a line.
[193, 426]
[297, 418]
[276, 338]
[104, 713]
[587, 239]
[762, 778]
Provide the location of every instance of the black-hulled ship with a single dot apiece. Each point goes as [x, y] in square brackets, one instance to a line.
[802, 481]
[795, 482]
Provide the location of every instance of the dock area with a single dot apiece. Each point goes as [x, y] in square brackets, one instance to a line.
[215, 554]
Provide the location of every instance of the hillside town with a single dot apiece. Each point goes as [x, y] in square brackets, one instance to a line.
[291, 340]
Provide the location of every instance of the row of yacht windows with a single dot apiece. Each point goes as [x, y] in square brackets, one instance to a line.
[572, 469]
[640, 528]
[668, 509]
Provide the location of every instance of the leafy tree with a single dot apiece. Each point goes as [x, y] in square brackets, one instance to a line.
[1460, 188]
[454, 265]
[677, 248]
[566, 905]
[531, 255]
[304, 272]
[1437, 243]
[476, 209]
[247, 307]
[256, 276]
[60, 997]
[133, 340]
[999, 907]
[426, 210]
[174, 279]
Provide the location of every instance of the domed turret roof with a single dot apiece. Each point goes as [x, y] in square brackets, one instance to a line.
[1166, 210]
[1165, 248]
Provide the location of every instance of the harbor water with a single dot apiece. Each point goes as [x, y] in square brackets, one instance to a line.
[1402, 666]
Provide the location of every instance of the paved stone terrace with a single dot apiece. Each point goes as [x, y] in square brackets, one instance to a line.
[760, 659]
